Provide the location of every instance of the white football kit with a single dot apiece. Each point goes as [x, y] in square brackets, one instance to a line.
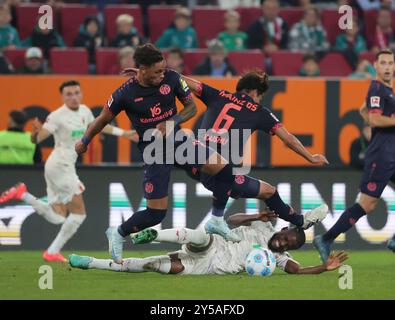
[224, 257]
[67, 127]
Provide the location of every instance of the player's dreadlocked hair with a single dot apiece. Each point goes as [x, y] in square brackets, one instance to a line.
[147, 55]
[300, 237]
[253, 80]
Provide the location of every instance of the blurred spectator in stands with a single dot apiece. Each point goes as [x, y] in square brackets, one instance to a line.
[34, 62]
[231, 4]
[216, 64]
[358, 148]
[384, 34]
[15, 144]
[232, 38]
[90, 37]
[270, 31]
[127, 35]
[125, 60]
[376, 4]
[310, 67]
[351, 43]
[364, 70]
[175, 61]
[308, 35]
[5, 66]
[44, 39]
[9, 37]
[182, 34]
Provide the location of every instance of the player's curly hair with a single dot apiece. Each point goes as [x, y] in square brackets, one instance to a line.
[253, 80]
[147, 55]
[300, 237]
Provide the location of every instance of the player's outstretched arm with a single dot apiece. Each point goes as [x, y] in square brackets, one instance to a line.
[115, 131]
[94, 128]
[242, 219]
[334, 261]
[294, 144]
[39, 133]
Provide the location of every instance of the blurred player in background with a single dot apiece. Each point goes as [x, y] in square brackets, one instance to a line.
[202, 253]
[149, 100]
[378, 111]
[64, 189]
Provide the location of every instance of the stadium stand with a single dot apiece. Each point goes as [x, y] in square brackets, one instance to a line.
[286, 63]
[106, 59]
[245, 60]
[15, 56]
[334, 64]
[329, 20]
[26, 15]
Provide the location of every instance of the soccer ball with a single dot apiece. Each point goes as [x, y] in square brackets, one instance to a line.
[260, 262]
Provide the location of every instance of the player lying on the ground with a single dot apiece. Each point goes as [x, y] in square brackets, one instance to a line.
[65, 203]
[378, 111]
[203, 253]
[242, 110]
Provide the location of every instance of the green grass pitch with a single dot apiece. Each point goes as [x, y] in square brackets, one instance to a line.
[373, 278]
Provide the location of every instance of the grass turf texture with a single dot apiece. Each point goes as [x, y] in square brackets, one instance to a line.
[373, 278]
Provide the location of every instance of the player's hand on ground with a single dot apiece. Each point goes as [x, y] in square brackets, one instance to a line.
[319, 159]
[131, 135]
[335, 260]
[267, 215]
[80, 147]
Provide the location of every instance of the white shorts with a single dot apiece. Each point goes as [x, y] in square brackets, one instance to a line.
[62, 182]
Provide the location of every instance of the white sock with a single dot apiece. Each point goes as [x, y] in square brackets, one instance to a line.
[184, 235]
[67, 230]
[217, 218]
[43, 209]
[161, 264]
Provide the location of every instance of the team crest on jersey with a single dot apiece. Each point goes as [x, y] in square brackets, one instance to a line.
[164, 89]
[149, 187]
[184, 85]
[375, 102]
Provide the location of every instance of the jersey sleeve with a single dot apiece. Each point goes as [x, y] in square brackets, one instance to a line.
[115, 103]
[207, 93]
[375, 100]
[267, 121]
[51, 123]
[182, 91]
